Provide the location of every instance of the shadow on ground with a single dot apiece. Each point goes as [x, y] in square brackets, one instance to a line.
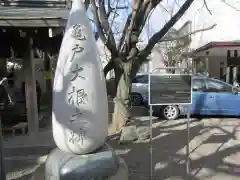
[213, 152]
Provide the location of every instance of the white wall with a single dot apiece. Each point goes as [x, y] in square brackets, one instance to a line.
[226, 18]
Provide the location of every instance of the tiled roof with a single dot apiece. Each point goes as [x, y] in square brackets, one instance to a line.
[33, 17]
[33, 13]
[30, 13]
[34, 3]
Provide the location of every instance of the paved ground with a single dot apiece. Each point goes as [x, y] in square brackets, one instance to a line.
[23, 154]
[214, 147]
[214, 151]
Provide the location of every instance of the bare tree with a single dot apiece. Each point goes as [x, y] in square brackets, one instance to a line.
[126, 58]
[176, 42]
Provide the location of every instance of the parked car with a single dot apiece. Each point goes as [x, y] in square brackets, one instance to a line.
[209, 97]
[140, 89]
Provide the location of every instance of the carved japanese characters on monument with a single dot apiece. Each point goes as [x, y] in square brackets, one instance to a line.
[76, 73]
[81, 97]
[80, 112]
[77, 32]
[77, 96]
[78, 138]
[76, 50]
[75, 115]
[80, 109]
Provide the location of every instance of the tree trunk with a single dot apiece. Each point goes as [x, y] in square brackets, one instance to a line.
[110, 65]
[122, 101]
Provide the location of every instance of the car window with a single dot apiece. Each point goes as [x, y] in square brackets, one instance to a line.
[141, 79]
[198, 85]
[216, 86]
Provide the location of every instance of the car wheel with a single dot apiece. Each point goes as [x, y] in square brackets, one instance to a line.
[170, 112]
[136, 99]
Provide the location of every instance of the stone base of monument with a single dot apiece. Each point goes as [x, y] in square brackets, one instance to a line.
[122, 172]
[101, 165]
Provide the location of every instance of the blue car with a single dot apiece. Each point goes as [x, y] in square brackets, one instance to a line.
[209, 97]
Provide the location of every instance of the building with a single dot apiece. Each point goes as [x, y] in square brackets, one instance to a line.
[220, 60]
[31, 33]
[212, 45]
[157, 61]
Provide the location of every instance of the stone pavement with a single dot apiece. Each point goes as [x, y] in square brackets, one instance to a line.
[24, 154]
[214, 147]
[214, 151]
[43, 138]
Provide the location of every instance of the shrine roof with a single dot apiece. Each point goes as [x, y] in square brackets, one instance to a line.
[33, 16]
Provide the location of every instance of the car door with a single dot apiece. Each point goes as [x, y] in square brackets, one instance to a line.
[226, 102]
[199, 105]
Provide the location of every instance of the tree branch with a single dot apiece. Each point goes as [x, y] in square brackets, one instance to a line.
[205, 4]
[135, 10]
[230, 5]
[160, 34]
[141, 11]
[108, 67]
[96, 17]
[97, 21]
[121, 41]
[104, 21]
[188, 34]
[147, 12]
[130, 24]
[87, 2]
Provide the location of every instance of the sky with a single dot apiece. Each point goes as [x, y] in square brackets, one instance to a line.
[223, 15]
[226, 18]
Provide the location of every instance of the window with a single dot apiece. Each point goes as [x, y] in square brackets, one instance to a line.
[222, 77]
[217, 86]
[198, 85]
[141, 79]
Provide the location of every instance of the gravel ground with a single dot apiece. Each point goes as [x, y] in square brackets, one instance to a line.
[214, 147]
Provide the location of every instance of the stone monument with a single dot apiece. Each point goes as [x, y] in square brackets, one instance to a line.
[80, 109]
